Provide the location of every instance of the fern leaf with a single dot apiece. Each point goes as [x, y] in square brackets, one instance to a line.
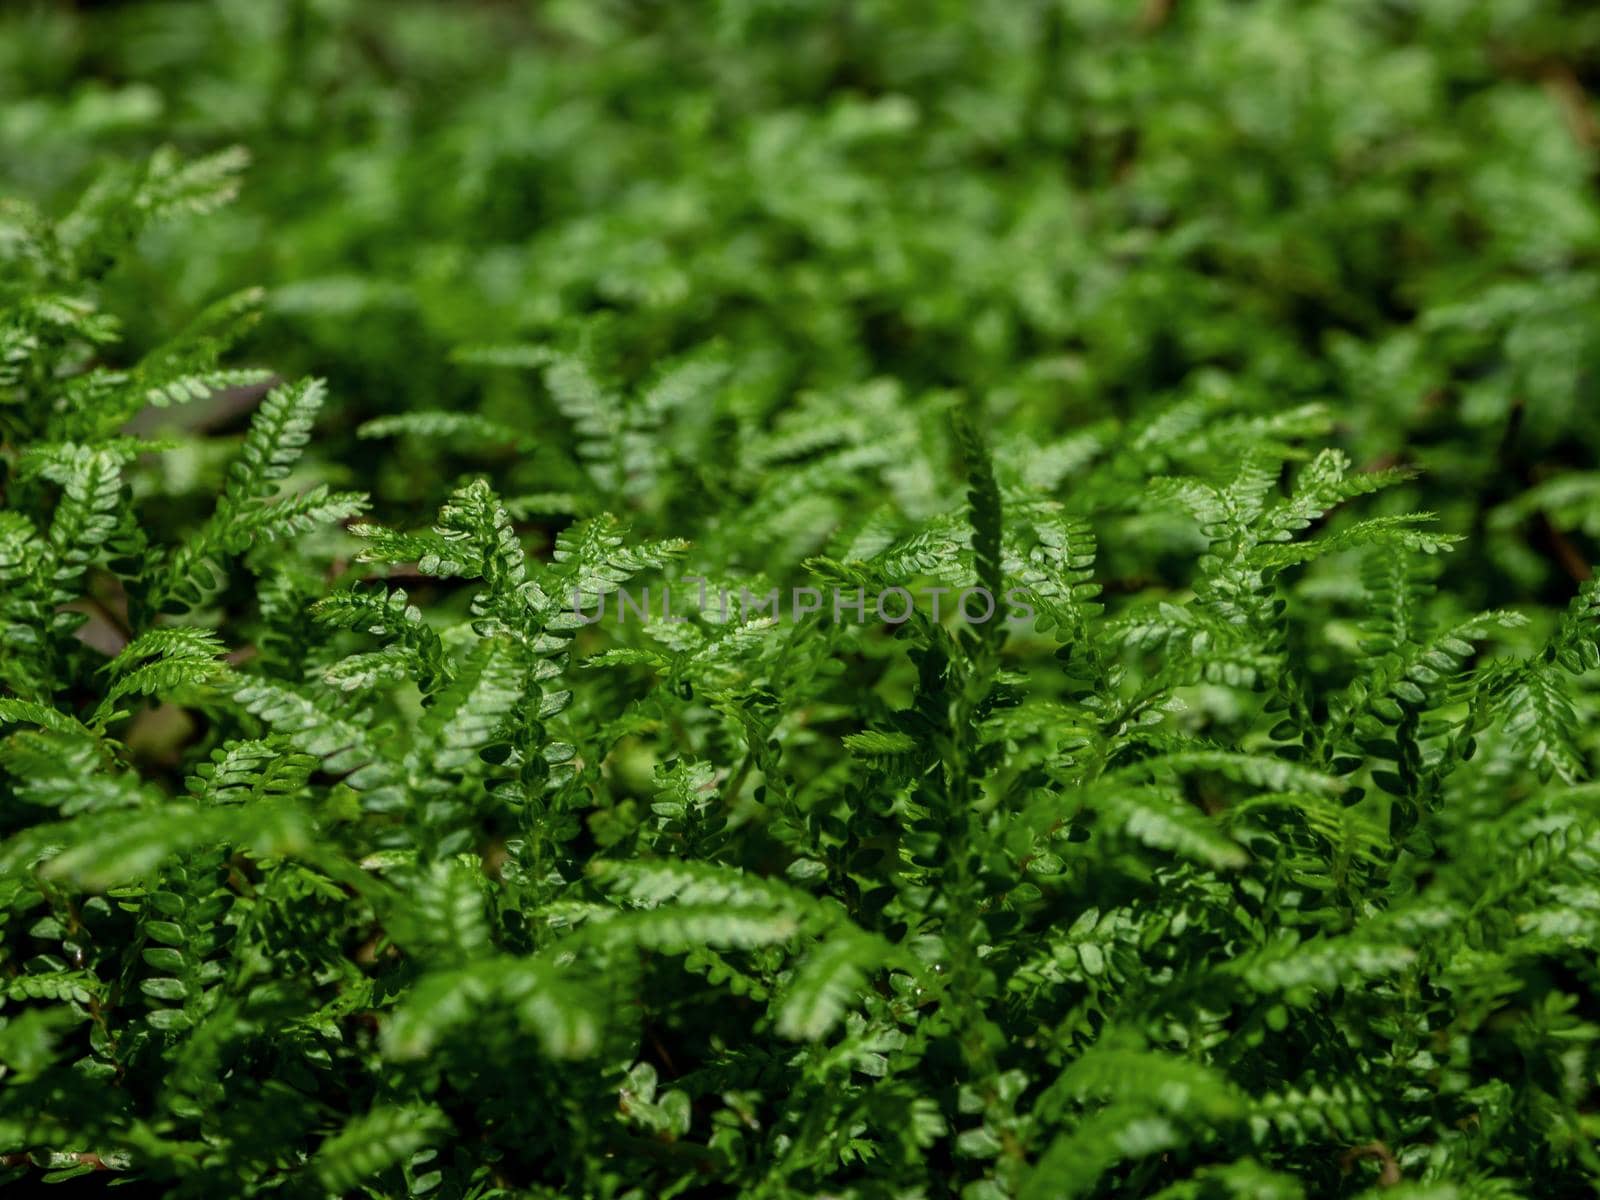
[375, 1142]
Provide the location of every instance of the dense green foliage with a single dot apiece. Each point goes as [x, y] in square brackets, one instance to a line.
[1250, 347]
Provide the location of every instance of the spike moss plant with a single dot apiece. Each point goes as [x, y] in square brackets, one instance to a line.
[345, 854]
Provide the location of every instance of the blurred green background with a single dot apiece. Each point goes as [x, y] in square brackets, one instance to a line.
[1082, 211]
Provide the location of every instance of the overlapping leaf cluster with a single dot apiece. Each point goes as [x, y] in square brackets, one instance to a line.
[1088, 210]
[345, 851]
[367, 860]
